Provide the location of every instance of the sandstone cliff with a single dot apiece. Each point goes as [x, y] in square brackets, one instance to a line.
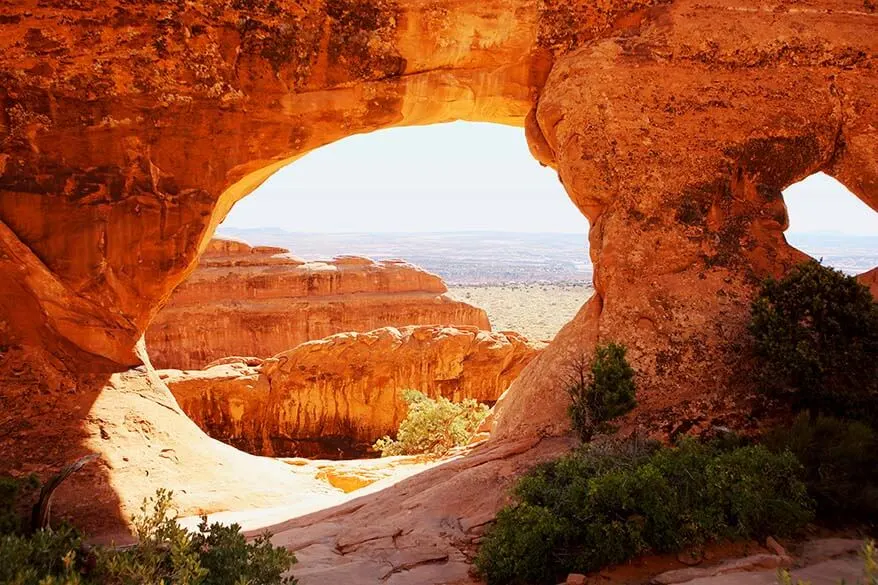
[259, 301]
[334, 397]
[127, 132]
[870, 279]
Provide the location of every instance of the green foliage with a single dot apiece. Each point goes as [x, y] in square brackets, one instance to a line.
[841, 465]
[603, 505]
[15, 497]
[433, 426]
[165, 554]
[230, 560]
[816, 334]
[600, 391]
[46, 557]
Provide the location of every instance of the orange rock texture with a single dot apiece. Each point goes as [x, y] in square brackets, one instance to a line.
[128, 130]
[870, 279]
[335, 397]
[676, 143]
[261, 301]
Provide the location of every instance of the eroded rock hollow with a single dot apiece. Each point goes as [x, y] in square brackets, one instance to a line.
[128, 132]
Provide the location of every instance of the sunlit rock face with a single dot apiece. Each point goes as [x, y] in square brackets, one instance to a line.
[676, 143]
[128, 130]
[334, 397]
[261, 301]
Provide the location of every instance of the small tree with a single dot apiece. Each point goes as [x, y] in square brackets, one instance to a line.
[816, 335]
[433, 426]
[600, 390]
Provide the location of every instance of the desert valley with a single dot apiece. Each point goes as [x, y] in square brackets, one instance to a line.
[686, 391]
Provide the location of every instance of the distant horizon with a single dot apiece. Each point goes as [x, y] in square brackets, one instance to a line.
[495, 231]
[467, 177]
[469, 256]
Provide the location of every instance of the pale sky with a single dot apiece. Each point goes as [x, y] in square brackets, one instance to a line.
[463, 177]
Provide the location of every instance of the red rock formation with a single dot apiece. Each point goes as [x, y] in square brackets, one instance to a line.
[677, 143]
[128, 130]
[145, 442]
[262, 301]
[334, 397]
[870, 279]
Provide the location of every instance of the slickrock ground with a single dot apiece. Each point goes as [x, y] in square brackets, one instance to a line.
[129, 130]
[261, 301]
[336, 396]
[146, 442]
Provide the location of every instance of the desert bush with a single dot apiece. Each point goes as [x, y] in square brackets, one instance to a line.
[165, 553]
[47, 556]
[433, 426]
[600, 390]
[600, 506]
[16, 497]
[816, 336]
[841, 465]
[230, 560]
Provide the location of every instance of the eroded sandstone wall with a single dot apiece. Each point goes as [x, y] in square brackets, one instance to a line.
[246, 301]
[129, 130]
[334, 397]
[677, 143]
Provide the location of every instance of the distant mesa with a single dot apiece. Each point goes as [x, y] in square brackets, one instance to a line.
[332, 398]
[261, 300]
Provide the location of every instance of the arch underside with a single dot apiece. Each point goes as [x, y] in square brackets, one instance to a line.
[673, 125]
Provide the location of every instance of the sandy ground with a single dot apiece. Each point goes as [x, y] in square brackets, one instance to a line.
[537, 311]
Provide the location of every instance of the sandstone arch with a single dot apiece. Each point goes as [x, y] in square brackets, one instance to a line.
[714, 129]
[674, 125]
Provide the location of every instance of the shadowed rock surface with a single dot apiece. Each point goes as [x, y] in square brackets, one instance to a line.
[259, 301]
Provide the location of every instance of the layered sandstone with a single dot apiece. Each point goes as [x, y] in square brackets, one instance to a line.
[676, 143]
[260, 301]
[128, 131]
[334, 397]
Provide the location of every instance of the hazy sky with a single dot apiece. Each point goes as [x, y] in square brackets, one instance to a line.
[464, 176]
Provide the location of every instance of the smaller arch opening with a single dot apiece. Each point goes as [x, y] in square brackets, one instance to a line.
[829, 223]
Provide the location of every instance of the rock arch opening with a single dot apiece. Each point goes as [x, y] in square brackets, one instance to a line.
[829, 223]
[673, 125]
[451, 235]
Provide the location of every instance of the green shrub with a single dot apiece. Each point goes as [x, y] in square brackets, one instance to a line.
[841, 465]
[229, 559]
[816, 335]
[165, 553]
[601, 506]
[43, 557]
[433, 426]
[16, 495]
[600, 391]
